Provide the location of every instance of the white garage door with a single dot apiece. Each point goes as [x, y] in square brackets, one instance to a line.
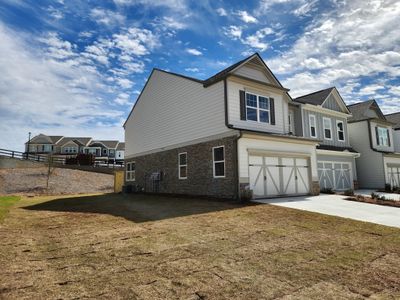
[276, 176]
[334, 175]
[393, 175]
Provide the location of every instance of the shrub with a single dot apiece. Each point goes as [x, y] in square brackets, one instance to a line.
[71, 161]
[388, 188]
[85, 159]
[349, 192]
[246, 195]
[327, 191]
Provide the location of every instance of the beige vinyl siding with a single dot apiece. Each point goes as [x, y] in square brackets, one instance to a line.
[331, 103]
[373, 136]
[234, 85]
[320, 128]
[252, 73]
[174, 110]
[370, 169]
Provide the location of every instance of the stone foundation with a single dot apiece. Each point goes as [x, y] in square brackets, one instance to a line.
[315, 189]
[200, 180]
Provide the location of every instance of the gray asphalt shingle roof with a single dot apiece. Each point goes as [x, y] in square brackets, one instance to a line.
[316, 98]
[395, 118]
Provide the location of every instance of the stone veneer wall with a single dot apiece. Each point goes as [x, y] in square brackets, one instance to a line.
[200, 180]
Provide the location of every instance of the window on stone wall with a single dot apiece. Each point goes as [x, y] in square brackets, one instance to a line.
[131, 171]
[219, 161]
[182, 165]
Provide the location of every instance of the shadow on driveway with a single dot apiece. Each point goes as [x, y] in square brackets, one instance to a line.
[135, 207]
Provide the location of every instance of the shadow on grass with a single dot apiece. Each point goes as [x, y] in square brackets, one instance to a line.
[136, 208]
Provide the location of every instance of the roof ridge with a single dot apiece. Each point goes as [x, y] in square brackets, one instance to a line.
[332, 87]
[180, 75]
[362, 102]
[395, 113]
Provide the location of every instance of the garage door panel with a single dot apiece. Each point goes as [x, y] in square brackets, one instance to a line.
[280, 176]
[393, 175]
[334, 175]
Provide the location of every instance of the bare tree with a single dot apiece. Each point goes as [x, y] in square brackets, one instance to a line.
[50, 169]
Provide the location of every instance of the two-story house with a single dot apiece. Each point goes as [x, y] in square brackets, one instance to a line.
[371, 134]
[219, 136]
[106, 150]
[395, 119]
[323, 116]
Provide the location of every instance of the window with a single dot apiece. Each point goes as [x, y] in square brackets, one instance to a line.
[131, 171]
[383, 136]
[327, 128]
[257, 108]
[70, 150]
[219, 161]
[182, 165]
[104, 151]
[313, 126]
[291, 122]
[340, 130]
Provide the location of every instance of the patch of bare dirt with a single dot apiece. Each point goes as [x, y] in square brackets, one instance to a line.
[62, 181]
[149, 247]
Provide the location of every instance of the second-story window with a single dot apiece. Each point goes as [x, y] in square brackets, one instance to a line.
[257, 108]
[383, 136]
[313, 126]
[327, 128]
[340, 130]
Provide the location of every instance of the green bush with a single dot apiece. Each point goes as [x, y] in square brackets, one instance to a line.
[349, 192]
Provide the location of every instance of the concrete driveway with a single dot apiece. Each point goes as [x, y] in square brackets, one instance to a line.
[335, 205]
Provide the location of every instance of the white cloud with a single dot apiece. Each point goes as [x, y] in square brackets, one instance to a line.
[305, 9]
[123, 99]
[246, 17]
[234, 32]
[136, 41]
[40, 93]
[172, 23]
[221, 12]
[176, 5]
[370, 89]
[193, 51]
[106, 17]
[194, 70]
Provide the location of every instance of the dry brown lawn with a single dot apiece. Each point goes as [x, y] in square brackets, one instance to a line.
[148, 247]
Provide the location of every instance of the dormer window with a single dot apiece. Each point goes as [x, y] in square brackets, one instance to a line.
[257, 108]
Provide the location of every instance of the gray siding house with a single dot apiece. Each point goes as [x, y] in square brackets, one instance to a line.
[324, 117]
[372, 135]
[238, 130]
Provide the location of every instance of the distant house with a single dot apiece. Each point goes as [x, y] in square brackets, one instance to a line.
[68, 146]
[375, 136]
[395, 119]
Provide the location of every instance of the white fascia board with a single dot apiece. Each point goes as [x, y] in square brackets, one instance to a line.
[338, 153]
[320, 109]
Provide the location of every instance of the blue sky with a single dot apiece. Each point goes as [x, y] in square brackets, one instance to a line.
[77, 67]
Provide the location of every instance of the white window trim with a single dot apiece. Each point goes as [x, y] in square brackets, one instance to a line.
[258, 109]
[337, 131]
[132, 178]
[218, 161]
[385, 137]
[315, 125]
[330, 127]
[179, 165]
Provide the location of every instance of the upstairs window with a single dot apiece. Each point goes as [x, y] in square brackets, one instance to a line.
[219, 162]
[257, 108]
[340, 130]
[383, 136]
[327, 128]
[131, 171]
[313, 126]
[182, 165]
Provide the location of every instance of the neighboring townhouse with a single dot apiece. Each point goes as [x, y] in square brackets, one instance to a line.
[70, 146]
[395, 118]
[222, 136]
[372, 135]
[323, 115]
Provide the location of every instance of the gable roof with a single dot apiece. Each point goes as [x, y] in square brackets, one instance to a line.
[108, 144]
[395, 118]
[215, 78]
[83, 141]
[315, 98]
[121, 146]
[359, 110]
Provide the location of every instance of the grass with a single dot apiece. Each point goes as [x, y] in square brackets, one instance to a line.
[5, 204]
[149, 247]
